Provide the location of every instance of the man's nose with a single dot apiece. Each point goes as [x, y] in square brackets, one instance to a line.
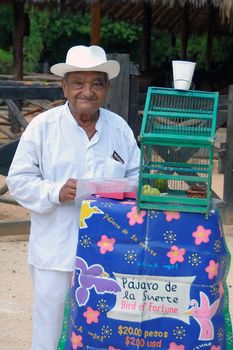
[87, 89]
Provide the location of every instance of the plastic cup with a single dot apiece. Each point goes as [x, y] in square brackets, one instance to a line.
[183, 74]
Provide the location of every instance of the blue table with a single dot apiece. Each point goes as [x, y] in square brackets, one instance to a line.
[153, 279]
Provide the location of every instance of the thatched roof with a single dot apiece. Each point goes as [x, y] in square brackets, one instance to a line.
[225, 6]
[166, 14]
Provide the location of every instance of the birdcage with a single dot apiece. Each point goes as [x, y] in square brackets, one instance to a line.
[177, 141]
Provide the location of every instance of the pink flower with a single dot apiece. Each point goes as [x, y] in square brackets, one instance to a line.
[106, 244]
[112, 348]
[212, 269]
[220, 289]
[91, 315]
[135, 217]
[213, 347]
[76, 341]
[174, 346]
[176, 254]
[172, 215]
[201, 235]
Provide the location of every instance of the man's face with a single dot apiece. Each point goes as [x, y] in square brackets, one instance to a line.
[85, 91]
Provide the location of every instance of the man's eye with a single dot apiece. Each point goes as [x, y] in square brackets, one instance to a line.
[78, 84]
[98, 85]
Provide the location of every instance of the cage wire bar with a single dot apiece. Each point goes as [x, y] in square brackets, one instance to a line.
[177, 143]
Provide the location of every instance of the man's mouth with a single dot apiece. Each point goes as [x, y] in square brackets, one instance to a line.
[86, 99]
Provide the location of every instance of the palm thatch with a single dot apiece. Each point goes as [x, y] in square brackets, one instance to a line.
[224, 7]
[134, 13]
[226, 10]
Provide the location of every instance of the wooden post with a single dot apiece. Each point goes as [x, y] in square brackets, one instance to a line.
[146, 36]
[210, 36]
[228, 173]
[18, 34]
[95, 22]
[184, 31]
[133, 118]
[118, 97]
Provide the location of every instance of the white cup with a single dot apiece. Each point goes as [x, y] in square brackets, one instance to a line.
[183, 74]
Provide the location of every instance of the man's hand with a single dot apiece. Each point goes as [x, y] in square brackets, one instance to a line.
[68, 191]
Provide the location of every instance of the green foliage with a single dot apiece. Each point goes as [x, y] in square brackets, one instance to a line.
[6, 29]
[196, 50]
[75, 30]
[6, 61]
[223, 49]
[161, 49]
[52, 33]
[33, 44]
[6, 26]
[64, 30]
[121, 37]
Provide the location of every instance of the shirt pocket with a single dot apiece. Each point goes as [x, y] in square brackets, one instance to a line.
[114, 169]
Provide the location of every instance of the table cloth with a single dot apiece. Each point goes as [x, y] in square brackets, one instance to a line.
[147, 280]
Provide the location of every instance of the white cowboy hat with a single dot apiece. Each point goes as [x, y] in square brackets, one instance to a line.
[83, 58]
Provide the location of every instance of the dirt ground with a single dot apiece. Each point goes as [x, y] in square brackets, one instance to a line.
[16, 290]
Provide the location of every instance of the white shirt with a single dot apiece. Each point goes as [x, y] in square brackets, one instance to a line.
[52, 149]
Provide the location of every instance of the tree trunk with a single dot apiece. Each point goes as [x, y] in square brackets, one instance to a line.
[146, 37]
[210, 36]
[95, 22]
[184, 32]
[18, 34]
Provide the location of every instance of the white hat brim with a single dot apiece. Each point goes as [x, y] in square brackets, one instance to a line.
[112, 68]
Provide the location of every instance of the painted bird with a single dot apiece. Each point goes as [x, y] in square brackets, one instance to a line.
[203, 315]
[93, 276]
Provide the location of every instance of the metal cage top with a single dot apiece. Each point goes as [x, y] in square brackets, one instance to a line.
[183, 116]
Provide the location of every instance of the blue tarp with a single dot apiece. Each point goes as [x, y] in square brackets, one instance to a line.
[153, 279]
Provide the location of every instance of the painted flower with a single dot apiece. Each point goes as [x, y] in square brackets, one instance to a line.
[213, 347]
[91, 315]
[106, 244]
[73, 279]
[212, 269]
[176, 254]
[76, 341]
[135, 217]
[174, 346]
[201, 235]
[220, 289]
[112, 348]
[170, 215]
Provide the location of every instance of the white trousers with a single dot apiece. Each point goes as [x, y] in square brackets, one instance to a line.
[50, 288]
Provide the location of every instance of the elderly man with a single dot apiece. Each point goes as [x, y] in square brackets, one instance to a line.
[77, 140]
